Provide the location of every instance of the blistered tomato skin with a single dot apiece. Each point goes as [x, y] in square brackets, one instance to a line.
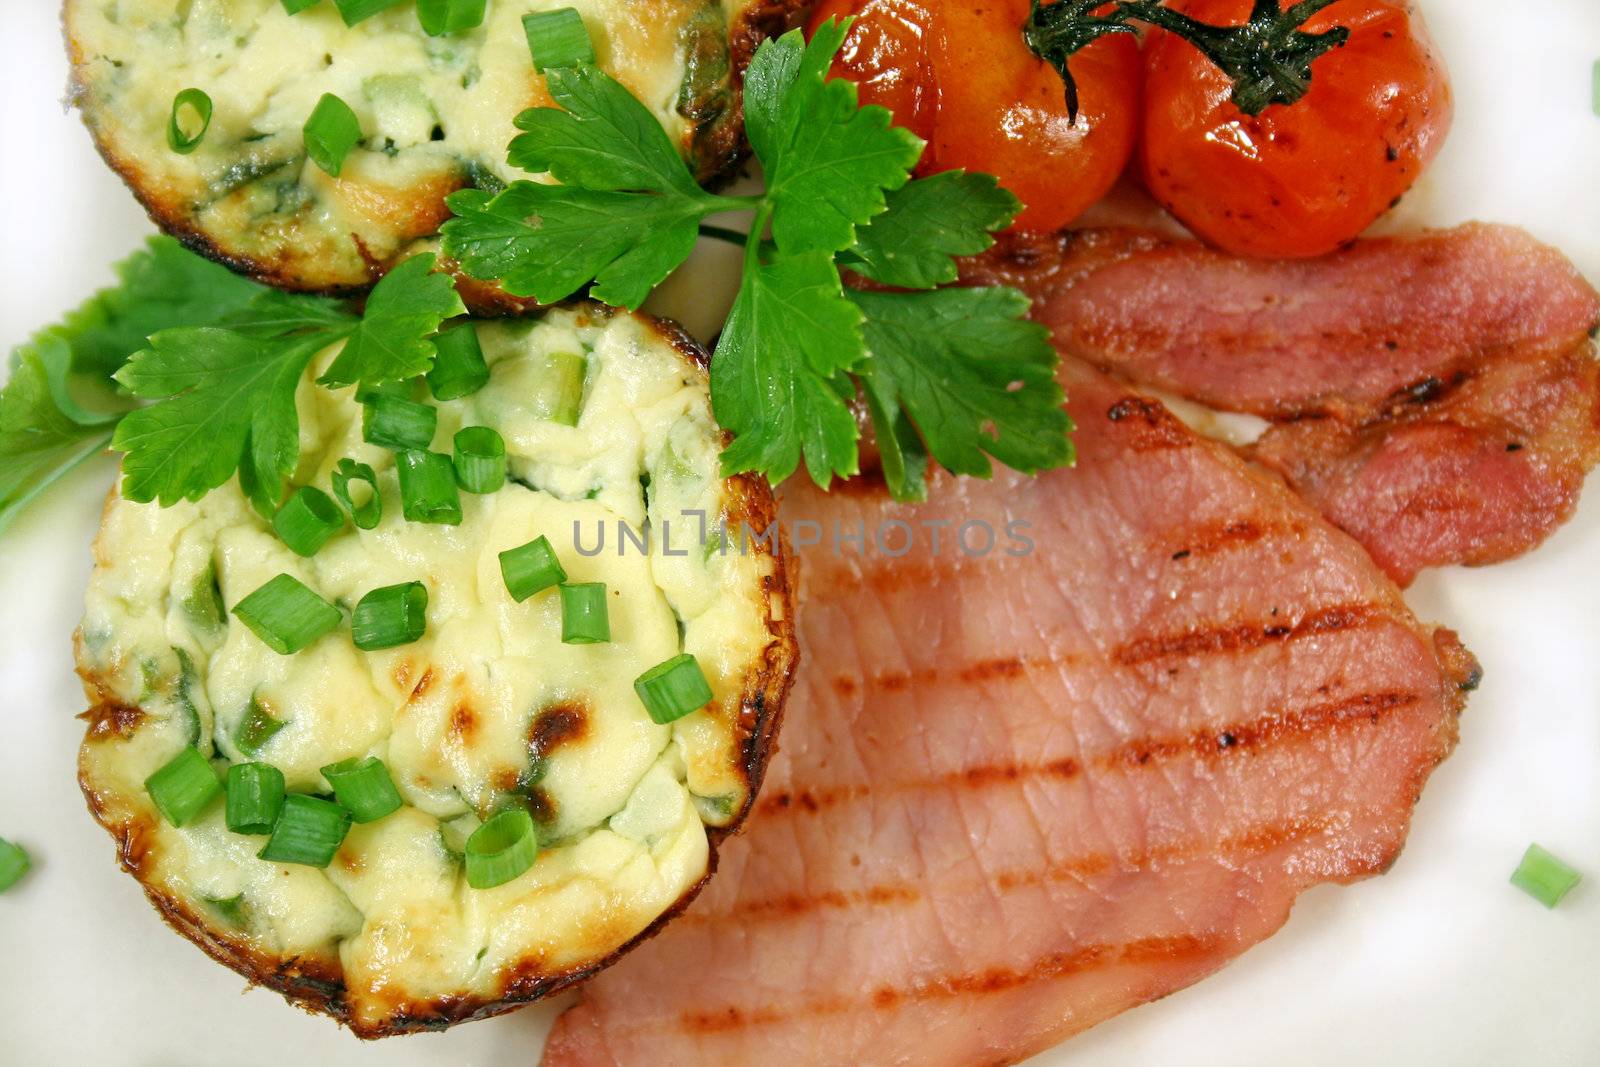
[1301, 179]
[961, 77]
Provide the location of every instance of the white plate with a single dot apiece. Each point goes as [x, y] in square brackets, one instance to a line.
[1438, 962]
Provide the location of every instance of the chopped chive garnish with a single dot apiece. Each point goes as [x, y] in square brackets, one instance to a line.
[449, 16]
[583, 614]
[190, 104]
[367, 392]
[363, 787]
[309, 831]
[255, 729]
[1543, 877]
[397, 423]
[391, 616]
[354, 11]
[561, 397]
[294, 7]
[428, 490]
[306, 520]
[286, 615]
[480, 459]
[557, 39]
[531, 568]
[459, 369]
[184, 787]
[501, 849]
[14, 863]
[255, 796]
[367, 512]
[331, 131]
[673, 689]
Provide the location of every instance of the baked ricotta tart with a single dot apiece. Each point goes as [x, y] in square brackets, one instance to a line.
[448, 800]
[434, 112]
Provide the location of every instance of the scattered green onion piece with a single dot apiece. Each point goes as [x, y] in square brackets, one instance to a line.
[583, 614]
[354, 11]
[397, 423]
[673, 689]
[294, 7]
[255, 730]
[531, 568]
[363, 788]
[184, 787]
[388, 617]
[197, 101]
[286, 615]
[459, 369]
[255, 796]
[428, 490]
[501, 849]
[367, 392]
[309, 831]
[331, 131]
[560, 396]
[14, 863]
[439, 17]
[1543, 877]
[306, 520]
[480, 459]
[366, 514]
[557, 39]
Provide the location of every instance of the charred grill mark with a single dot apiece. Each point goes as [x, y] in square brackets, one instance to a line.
[1238, 637]
[974, 673]
[1212, 538]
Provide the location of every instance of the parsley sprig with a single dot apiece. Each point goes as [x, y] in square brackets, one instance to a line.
[952, 373]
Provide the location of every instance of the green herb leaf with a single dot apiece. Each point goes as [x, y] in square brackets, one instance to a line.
[929, 221]
[43, 432]
[391, 342]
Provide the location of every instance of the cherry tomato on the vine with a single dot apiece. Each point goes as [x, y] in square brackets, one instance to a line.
[1304, 178]
[960, 76]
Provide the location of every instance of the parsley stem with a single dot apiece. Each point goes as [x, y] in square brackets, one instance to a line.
[753, 240]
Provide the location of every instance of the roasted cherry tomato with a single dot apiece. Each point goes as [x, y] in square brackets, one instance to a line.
[1303, 178]
[959, 76]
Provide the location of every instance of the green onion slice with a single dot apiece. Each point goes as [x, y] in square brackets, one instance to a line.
[369, 511]
[286, 615]
[428, 490]
[557, 39]
[459, 369]
[14, 863]
[294, 7]
[255, 729]
[391, 616]
[439, 17]
[332, 130]
[583, 614]
[255, 796]
[196, 101]
[184, 787]
[397, 423]
[363, 787]
[306, 520]
[354, 11]
[480, 459]
[673, 689]
[501, 849]
[1544, 877]
[531, 568]
[309, 831]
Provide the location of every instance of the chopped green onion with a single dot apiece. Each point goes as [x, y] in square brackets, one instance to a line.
[531, 568]
[332, 130]
[459, 369]
[392, 616]
[198, 102]
[428, 490]
[560, 396]
[354, 11]
[306, 520]
[294, 7]
[673, 689]
[369, 511]
[184, 787]
[286, 615]
[255, 796]
[480, 459]
[14, 863]
[583, 614]
[1543, 877]
[367, 392]
[309, 831]
[501, 849]
[203, 606]
[397, 423]
[557, 39]
[363, 787]
[255, 729]
[439, 17]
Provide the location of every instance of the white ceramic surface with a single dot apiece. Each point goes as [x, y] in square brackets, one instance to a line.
[1440, 962]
